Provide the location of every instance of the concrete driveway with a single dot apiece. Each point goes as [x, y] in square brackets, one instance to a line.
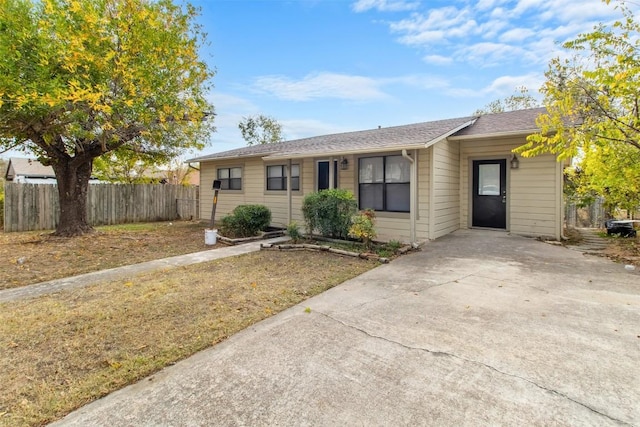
[480, 328]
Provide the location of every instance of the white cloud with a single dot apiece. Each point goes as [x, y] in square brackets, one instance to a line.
[502, 87]
[419, 81]
[384, 5]
[490, 31]
[304, 128]
[516, 35]
[438, 59]
[321, 85]
[507, 85]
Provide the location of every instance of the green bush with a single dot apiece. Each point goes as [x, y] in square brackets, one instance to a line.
[294, 232]
[363, 227]
[246, 221]
[329, 212]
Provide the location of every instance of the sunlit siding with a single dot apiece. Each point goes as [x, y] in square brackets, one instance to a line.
[394, 225]
[534, 205]
[446, 200]
[252, 178]
[533, 189]
[424, 177]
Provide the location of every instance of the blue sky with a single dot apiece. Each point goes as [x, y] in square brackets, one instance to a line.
[326, 66]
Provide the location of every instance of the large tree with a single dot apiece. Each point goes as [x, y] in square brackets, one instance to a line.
[520, 100]
[260, 129]
[593, 110]
[81, 78]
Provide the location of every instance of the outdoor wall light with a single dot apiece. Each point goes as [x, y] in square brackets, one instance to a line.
[344, 164]
[515, 163]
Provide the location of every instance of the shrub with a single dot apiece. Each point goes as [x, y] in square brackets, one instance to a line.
[293, 231]
[363, 227]
[329, 212]
[246, 221]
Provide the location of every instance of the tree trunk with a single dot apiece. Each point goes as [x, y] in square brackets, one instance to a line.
[73, 176]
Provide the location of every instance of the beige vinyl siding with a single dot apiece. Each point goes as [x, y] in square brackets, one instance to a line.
[534, 204]
[533, 200]
[347, 178]
[390, 228]
[424, 177]
[390, 225]
[253, 191]
[446, 198]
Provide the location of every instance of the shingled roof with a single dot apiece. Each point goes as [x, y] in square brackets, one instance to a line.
[511, 122]
[398, 137]
[412, 136]
[19, 166]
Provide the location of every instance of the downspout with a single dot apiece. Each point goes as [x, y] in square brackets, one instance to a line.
[289, 198]
[432, 192]
[560, 200]
[412, 195]
[332, 177]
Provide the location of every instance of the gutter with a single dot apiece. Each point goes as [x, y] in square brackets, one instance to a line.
[495, 134]
[339, 153]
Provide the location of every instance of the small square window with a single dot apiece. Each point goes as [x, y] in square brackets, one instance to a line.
[277, 177]
[230, 178]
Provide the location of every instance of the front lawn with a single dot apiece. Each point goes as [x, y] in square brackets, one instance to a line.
[37, 256]
[62, 351]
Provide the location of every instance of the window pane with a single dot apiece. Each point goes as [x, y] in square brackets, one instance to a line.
[371, 196]
[235, 184]
[489, 180]
[323, 175]
[274, 171]
[275, 184]
[398, 197]
[224, 184]
[295, 170]
[295, 183]
[223, 173]
[397, 169]
[236, 173]
[371, 169]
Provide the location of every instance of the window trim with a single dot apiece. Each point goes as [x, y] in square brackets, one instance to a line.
[384, 184]
[283, 167]
[229, 168]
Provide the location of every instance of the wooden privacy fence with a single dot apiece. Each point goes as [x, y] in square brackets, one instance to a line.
[35, 206]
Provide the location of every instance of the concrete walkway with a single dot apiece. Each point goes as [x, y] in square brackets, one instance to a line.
[120, 273]
[479, 328]
[592, 242]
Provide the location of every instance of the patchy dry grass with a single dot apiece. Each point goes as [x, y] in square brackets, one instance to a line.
[32, 257]
[625, 250]
[64, 350]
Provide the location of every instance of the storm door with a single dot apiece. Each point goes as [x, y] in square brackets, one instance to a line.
[489, 198]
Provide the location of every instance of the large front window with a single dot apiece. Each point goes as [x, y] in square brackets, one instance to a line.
[383, 183]
[230, 178]
[277, 177]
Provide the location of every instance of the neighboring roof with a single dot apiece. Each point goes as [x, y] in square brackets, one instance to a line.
[419, 135]
[19, 166]
[398, 137]
[509, 123]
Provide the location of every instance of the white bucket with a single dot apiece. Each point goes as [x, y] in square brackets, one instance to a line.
[210, 236]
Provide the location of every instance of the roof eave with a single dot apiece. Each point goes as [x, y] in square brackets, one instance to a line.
[449, 133]
[522, 132]
[342, 153]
